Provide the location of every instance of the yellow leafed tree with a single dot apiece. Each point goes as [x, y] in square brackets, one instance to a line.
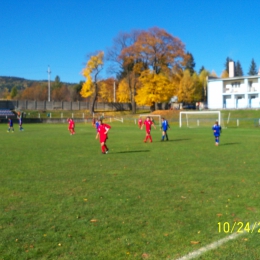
[106, 90]
[90, 72]
[189, 89]
[203, 77]
[155, 88]
[224, 74]
[123, 93]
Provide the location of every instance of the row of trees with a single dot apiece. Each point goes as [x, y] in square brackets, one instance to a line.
[151, 67]
[238, 68]
[39, 91]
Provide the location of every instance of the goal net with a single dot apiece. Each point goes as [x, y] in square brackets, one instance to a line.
[199, 119]
[121, 119]
[156, 118]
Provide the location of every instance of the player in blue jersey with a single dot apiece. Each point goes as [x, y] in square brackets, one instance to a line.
[97, 125]
[216, 131]
[165, 126]
[10, 125]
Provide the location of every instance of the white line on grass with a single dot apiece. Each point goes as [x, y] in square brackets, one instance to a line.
[211, 246]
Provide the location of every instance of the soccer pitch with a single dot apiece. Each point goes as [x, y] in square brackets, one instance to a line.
[62, 199]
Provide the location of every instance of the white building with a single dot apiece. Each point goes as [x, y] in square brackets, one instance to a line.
[234, 92]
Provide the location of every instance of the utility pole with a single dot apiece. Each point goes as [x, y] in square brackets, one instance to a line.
[114, 92]
[49, 84]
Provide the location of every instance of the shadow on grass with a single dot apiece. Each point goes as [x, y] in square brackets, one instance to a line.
[179, 140]
[135, 151]
[230, 143]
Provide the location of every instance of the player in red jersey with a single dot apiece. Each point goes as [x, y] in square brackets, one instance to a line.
[71, 125]
[102, 133]
[140, 123]
[148, 124]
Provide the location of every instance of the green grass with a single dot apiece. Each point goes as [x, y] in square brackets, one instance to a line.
[62, 199]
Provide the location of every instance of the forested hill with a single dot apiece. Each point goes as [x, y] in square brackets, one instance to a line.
[21, 83]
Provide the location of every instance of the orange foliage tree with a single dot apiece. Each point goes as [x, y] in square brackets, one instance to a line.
[159, 52]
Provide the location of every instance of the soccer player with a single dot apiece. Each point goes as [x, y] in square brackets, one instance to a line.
[216, 131]
[140, 123]
[10, 125]
[148, 124]
[164, 128]
[70, 127]
[102, 133]
[20, 123]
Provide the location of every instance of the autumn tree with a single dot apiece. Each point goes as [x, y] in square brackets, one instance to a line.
[90, 72]
[203, 78]
[106, 90]
[160, 52]
[126, 66]
[123, 91]
[35, 92]
[201, 69]
[156, 88]
[224, 74]
[5, 94]
[189, 87]
[61, 93]
[253, 68]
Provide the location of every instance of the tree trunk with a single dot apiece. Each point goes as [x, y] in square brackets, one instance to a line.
[92, 108]
[152, 107]
[133, 107]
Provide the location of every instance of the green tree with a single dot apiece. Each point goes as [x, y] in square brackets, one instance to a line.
[238, 69]
[253, 69]
[226, 64]
[190, 64]
[76, 91]
[14, 92]
[57, 83]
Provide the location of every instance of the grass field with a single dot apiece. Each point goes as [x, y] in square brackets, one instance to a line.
[62, 199]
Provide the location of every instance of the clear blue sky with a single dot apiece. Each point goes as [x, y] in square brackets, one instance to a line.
[35, 33]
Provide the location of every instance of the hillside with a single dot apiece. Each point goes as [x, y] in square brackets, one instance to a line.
[21, 83]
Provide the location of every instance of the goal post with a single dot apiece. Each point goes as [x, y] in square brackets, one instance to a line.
[152, 116]
[200, 117]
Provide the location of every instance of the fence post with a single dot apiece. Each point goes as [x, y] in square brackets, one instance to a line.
[237, 122]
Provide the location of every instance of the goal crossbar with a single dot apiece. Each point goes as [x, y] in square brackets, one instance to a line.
[200, 113]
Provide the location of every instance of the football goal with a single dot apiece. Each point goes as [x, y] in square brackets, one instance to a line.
[199, 119]
[157, 118]
[117, 119]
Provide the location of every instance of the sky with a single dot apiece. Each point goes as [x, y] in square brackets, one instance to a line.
[35, 34]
